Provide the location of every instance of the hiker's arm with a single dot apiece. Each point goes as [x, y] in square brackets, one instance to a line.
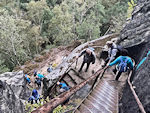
[82, 53]
[131, 64]
[115, 62]
[93, 61]
[113, 54]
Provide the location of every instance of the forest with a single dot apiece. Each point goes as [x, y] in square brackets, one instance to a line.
[27, 27]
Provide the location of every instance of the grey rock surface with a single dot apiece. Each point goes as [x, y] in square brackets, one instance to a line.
[13, 92]
[137, 29]
[136, 36]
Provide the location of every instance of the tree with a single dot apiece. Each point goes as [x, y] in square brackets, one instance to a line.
[3, 67]
[19, 42]
[35, 11]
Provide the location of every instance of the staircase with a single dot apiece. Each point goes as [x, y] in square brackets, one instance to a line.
[103, 99]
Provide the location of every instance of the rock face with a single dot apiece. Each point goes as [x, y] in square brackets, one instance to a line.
[136, 36]
[137, 29]
[12, 92]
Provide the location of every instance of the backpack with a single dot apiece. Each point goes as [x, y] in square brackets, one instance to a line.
[123, 65]
[120, 49]
[34, 93]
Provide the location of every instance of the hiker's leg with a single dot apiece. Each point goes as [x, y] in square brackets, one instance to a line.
[81, 66]
[38, 85]
[115, 70]
[118, 75]
[88, 64]
[32, 101]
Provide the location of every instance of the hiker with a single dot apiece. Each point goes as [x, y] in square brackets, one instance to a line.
[40, 76]
[142, 61]
[35, 96]
[38, 81]
[89, 56]
[114, 51]
[50, 69]
[63, 87]
[123, 64]
[27, 77]
[35, 72]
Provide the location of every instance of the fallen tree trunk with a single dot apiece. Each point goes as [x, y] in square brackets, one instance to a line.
[65, 65]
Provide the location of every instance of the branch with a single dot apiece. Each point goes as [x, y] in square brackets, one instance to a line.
[135, 95]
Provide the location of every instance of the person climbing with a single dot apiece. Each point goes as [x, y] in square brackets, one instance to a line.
[35, 96]
[63, 87]
[27, 77]
[35, 72]
[142, 61]
[38, 81]
[89, 56]
[114, 51]
[40, 76]
[123, 64]
[50, 68]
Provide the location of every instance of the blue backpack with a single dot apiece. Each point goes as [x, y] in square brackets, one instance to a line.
[123, 65]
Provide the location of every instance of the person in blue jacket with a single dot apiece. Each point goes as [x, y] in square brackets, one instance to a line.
[142, 61]
[123, 64]
[27, 77]
[63, 87]
[40, 76]
[35, 96]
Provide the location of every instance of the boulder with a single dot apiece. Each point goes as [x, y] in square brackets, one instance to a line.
[13, 92]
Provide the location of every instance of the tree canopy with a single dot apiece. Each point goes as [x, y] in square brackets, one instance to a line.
[26, 24]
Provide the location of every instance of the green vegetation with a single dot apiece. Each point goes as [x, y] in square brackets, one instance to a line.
[59, 109]
[62, 109]
[27, 27]
[30, 107]
[131, 6]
